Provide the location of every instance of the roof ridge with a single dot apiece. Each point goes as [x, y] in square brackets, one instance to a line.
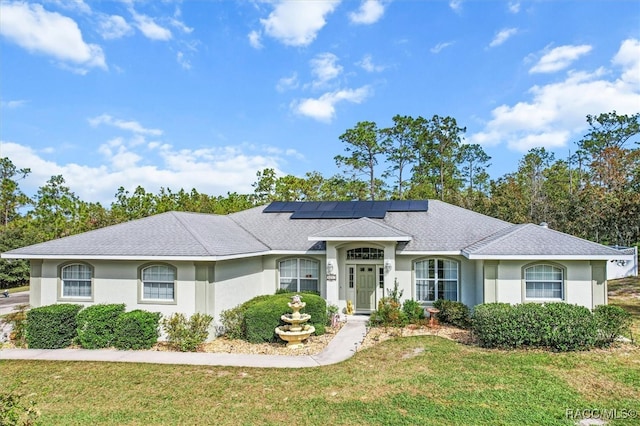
[493, 238]
[231, 217]
[191, 232]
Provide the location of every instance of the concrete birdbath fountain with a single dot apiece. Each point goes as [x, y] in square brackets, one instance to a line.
[296, 330]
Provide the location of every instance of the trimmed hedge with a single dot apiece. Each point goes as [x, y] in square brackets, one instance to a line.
[137, 330]
[96, 325]
[452, 312]
[557, 326]
[52, 326]
[612, 321]
[262, 315]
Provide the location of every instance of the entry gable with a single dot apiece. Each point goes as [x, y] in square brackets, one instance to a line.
[363, 229]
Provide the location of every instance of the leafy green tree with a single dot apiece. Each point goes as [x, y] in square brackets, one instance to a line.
[12, 199]
[398, 144]
[56, 210]
[473, 161]
[363, 142]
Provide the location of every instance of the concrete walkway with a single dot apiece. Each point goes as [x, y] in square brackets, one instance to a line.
[342, 347]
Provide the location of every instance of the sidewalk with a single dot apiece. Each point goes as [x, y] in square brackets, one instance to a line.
[341, 347]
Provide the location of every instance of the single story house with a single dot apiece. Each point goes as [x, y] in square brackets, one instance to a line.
[347, 251]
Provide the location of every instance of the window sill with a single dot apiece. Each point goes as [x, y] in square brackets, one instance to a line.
[75, 299]
[157, 302]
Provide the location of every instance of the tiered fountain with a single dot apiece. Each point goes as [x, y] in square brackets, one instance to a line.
[296, 330]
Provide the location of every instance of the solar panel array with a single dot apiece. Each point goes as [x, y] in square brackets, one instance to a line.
[345, 209]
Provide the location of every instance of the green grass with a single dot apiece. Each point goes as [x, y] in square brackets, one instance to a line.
[625, 292]
[447, 383]
[18, 289]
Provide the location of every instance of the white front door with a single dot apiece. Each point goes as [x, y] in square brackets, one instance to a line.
[366, 287]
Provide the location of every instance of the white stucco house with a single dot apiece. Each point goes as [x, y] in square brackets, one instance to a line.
[346, 251]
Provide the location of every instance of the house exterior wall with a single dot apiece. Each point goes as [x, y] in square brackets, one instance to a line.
[504, 282]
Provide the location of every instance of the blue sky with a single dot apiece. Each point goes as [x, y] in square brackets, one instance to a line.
[203, 94]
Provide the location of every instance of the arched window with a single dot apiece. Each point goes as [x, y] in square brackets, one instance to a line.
[544, 282]
[158, 282]
[365, 253]
[76, 280]
[436, 279]
[299, 274]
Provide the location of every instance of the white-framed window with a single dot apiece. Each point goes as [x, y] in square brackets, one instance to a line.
[299, 274]
[365, 253]
[158, 283]
[76, 281]
[544, 282]
[436, 279]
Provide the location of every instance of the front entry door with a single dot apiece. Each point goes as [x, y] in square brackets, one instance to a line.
[365, 288]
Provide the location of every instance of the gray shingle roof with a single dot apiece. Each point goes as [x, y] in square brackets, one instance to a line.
[364, 229]
[171, 234]
[442, 228]
[534, 240]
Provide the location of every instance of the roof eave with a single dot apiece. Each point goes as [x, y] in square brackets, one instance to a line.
[538, 256]
[396, 238]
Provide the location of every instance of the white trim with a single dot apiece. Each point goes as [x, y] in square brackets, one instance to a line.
[540, 257]
[159, 258]
[429, 253]
[357, 239]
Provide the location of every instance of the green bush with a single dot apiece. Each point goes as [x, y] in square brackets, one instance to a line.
[137, 330]
[388, 314]
[15, 411]
[413, 310]
[186, 335]
[611, 322]
[52, 326]
[555, 326]
[18, 319]
[261, 315]
[452, 312]
[233, 322]
[96, 325]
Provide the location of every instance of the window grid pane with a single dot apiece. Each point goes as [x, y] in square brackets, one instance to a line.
[299, 274]
[158, 282]
[76, 281]
[436, 279]
[543, 282]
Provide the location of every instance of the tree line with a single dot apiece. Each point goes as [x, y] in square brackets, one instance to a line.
[593, 194]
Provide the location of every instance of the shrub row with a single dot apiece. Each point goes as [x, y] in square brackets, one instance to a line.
[256, 319]
[187, 334]
[452, 312]
[556, 326]
[97, 326]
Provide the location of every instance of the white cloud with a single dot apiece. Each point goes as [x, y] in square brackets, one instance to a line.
[148, 26]
[627, 58]
[367, 64]
[254, 39]
[456, 5]
[502, 36]
[214, 171]
[184, 62]
[555, 114]
[559, 58]
[132, 126]
[514, 6]
[76, 5]
[13, 104]
[325, 68]
[288, 83]
[370, 12]
[440, 46]
[323, 108]
[181, 26]
[33, 28]
[297, 23]
[113, 27]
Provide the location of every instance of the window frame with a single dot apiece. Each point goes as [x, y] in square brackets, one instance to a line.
[298, 275]
[61, 281]
[437, 281]
[141, 285]
[562, 282]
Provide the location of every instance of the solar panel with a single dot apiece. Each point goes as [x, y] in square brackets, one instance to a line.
[344, 209]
